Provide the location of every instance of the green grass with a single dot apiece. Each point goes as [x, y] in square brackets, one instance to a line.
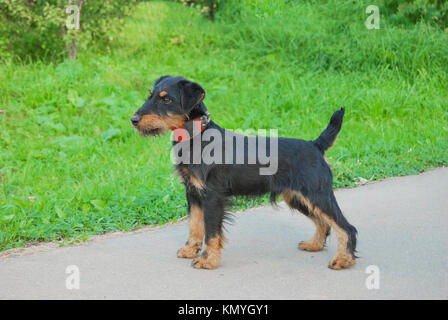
[66, 142]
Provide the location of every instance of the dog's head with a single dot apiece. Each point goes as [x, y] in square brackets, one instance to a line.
[172, 101]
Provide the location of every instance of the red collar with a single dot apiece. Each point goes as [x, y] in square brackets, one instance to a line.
[188, 130]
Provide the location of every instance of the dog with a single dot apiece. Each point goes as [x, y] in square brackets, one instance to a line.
[303, 177]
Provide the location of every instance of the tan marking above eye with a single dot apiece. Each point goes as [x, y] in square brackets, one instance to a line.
[163, 93]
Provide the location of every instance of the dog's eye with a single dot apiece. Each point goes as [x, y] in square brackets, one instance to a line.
[166, 100]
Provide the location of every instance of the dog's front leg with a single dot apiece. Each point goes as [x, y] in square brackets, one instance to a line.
[196, 217]
[213, 221]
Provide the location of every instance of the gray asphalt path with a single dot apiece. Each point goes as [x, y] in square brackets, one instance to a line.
[402, 224]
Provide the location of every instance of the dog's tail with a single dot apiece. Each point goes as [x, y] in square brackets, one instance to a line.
[327, 138]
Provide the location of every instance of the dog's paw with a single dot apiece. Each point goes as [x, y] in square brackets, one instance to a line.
[206, 261]
[341, 262]
[188, 251]
[310, 246]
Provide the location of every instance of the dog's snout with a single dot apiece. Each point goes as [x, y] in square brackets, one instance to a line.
[135, 120]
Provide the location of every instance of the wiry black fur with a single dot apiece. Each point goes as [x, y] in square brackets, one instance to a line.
[301, 166]
[328, 136]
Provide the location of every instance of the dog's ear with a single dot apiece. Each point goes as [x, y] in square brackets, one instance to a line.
[190, 94]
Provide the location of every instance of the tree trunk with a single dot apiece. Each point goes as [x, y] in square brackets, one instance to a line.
[73, 49]
[210, 10]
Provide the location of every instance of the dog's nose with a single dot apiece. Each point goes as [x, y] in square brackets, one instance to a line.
[135, 120]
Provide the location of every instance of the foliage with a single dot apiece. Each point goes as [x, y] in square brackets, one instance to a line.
[413, 11]
[36, 29]
[206, 6]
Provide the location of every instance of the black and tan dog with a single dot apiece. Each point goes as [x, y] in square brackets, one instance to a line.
[303, 177]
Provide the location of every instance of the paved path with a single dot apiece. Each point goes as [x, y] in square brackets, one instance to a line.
[403, 230]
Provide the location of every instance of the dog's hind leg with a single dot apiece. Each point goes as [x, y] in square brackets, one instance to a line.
[213, 220]
[327, 208]
[324, 206]
[317, 242]
[197, 231]
[345, 255]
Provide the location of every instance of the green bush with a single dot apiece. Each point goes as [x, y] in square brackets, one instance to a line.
[207, 7]
[413, 11]
[36, 29]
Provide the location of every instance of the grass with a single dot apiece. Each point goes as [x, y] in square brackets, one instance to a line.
[71, 165]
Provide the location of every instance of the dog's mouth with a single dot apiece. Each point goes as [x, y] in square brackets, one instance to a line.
[145, 132]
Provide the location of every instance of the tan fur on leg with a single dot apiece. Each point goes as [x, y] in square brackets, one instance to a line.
[194, 243]
[211, 256]
[317, 242]
[342, 258]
